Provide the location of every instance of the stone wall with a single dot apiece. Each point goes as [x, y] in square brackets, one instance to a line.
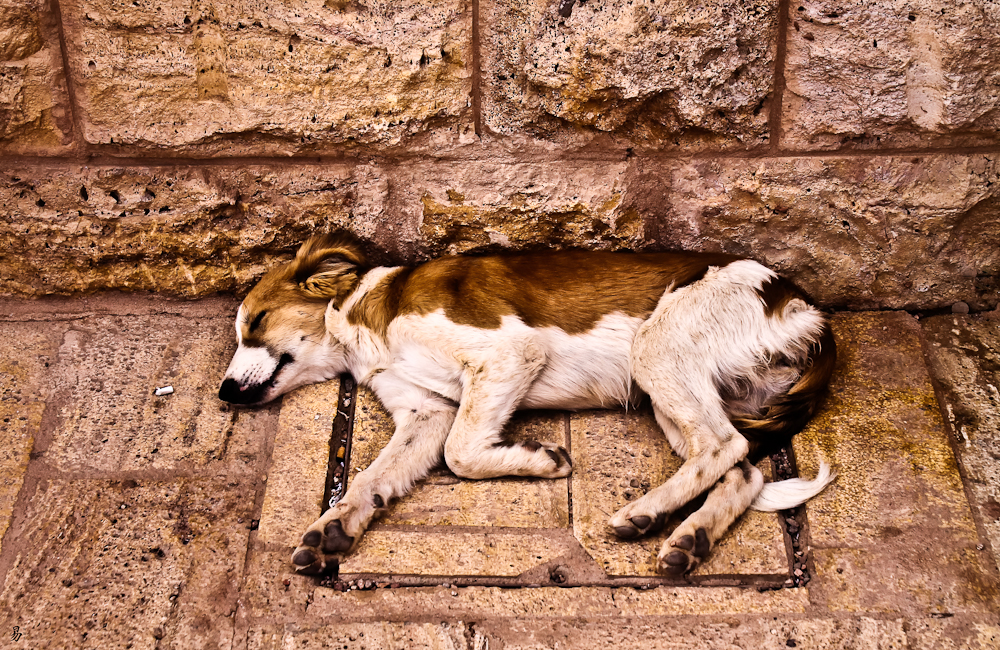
[181, 146]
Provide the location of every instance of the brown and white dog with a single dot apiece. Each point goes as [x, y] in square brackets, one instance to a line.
[730, 354]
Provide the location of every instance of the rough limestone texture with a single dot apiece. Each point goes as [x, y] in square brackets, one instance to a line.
[649, 74]
[115, 422]
[181, 230]
[964, 356]
[158, 563]
[894, 533]
[34, 115]
[487, 206]
[27, 352]
[888, 73]
[284, 77]
[899, 232]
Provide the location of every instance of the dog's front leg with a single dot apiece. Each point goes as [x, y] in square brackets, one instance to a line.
[423, 421]
[493, 386]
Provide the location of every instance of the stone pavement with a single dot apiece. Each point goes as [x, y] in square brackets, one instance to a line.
[135, 521]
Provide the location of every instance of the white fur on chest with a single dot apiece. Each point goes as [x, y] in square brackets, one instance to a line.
[587, 370]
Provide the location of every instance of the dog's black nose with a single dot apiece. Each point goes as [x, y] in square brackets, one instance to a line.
[230, 392]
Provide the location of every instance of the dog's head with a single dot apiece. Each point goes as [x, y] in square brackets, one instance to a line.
[281, 326]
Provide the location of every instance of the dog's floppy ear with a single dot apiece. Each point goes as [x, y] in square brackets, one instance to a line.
[328, 267]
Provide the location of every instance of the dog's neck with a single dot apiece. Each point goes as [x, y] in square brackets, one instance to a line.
[366, 352]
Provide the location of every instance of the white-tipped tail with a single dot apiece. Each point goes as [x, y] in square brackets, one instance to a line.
[783, 495]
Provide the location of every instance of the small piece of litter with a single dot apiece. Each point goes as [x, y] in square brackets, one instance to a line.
[163, 390]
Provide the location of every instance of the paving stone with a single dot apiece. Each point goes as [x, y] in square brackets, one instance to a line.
[476, 603]
[264, 593]
[613, 448]
[651, 74]
[446, 552]
[28, 350]
[964, 355]
[108, 417]
[731, 632]
[870, 74]
[299, 74]
[895, 532]
[364, 636]
[297, 476]
[33, 103]
[103, 563]
[444, 499]
[952, 633]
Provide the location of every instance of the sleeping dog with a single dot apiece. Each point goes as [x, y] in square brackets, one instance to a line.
[731, 355]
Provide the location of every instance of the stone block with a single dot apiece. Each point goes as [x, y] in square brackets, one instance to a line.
[101, 564]
[107, 417]
[297, 477]
[894, 533]
[621, 456]
[646, 74]
[897, 232]
[964, 357]
[237, 77]
[181, 230]
[364, 636]
[27, 352]
[34, 115]
[887, 74]
[449, 552]
[492, 206]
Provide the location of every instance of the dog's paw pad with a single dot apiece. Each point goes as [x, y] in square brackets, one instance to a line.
[640, 525]
[682, 553]
[308, 562]
[335, 539]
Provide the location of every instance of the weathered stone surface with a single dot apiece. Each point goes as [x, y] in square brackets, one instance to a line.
[104, 563]
[297, 477]
[899, 232]
[182, 230]
[109, 419]
[240, 77]
[445, 552]
[889, 73]
[489, 206]
[442, 499]
[731, 632]
[964, 354]
[365, 636]
[894, 533]
[621, 456]
[25, 355]
[33, 107]
[651, 74]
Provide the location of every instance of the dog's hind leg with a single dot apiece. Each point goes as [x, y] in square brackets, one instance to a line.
[691, 541]
[492, 388]
[423, 421]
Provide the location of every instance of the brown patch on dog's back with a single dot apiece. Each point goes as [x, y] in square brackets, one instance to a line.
[571, 290]
[380, 305]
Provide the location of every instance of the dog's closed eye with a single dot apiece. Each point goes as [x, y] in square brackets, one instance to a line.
[257, 319]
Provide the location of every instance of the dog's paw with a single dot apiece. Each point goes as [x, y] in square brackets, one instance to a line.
[555, 460]
[323, 545]
[685, 550]
[629, 522]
